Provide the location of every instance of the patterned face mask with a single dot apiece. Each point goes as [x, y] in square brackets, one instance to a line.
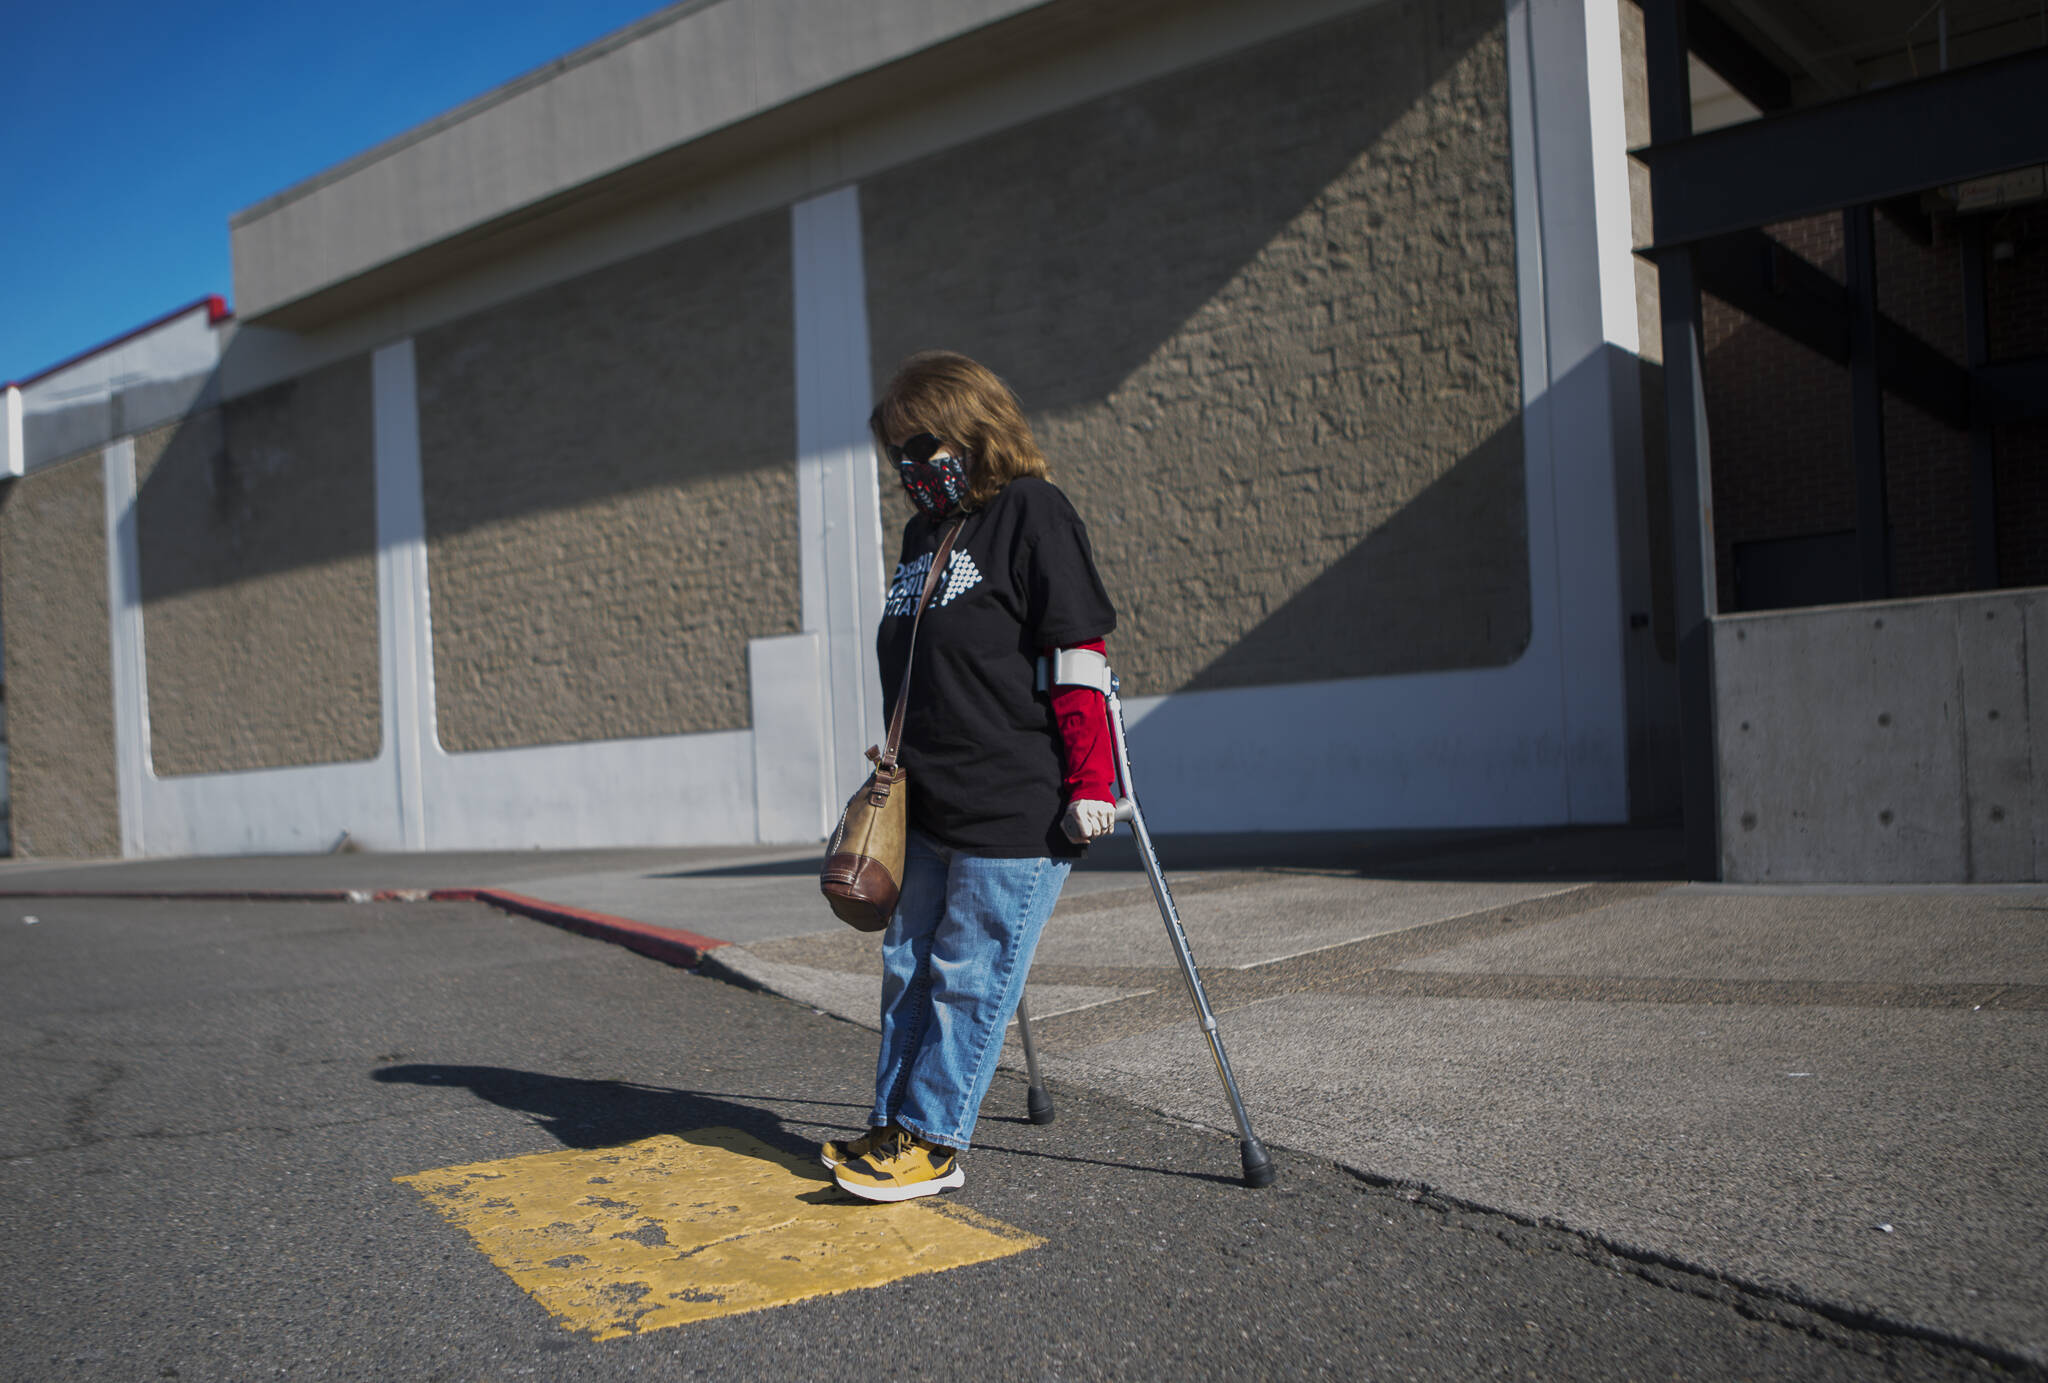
[936, 484]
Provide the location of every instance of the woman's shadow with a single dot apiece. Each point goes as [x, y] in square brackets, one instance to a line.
[603, 1113]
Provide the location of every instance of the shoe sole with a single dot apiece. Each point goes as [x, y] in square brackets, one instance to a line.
[952, 1179]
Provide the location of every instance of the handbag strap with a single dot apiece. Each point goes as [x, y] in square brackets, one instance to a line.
[931, 584]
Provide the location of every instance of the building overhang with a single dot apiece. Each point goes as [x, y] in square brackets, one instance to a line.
[144, 377]
[701, 86]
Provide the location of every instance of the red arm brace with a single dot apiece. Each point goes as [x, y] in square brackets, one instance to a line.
[1084, 729]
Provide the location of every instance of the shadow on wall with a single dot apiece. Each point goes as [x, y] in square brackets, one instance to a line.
[609, 509]
[1333, 627]
[274, 481]
[256, 529]
[1266, 322]
[669, 370]
[1072, 248]
[1258, 312]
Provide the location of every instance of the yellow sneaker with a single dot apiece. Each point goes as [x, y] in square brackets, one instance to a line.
[835, 1153]
[900, 1166]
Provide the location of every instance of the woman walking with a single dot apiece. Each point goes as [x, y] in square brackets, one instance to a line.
[1008, 783]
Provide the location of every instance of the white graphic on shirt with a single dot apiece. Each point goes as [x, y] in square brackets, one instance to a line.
[907, 584]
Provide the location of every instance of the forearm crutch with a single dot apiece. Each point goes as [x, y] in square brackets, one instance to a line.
[1089, 669]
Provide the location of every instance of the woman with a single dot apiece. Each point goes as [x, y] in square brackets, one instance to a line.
[1007, 783]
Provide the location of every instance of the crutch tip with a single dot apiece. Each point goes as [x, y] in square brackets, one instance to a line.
[1258, 1164]
[1038, 1105]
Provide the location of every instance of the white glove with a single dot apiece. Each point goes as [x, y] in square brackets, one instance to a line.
[1085, 820]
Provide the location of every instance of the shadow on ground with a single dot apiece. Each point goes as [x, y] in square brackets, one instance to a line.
[1593, 853]
[604, 1113]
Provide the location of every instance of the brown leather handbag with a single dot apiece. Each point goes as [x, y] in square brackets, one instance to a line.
[863, 873]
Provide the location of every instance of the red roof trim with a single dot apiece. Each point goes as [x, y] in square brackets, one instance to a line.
[217, 311]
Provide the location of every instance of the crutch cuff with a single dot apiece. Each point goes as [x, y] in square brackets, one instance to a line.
[1074, 667]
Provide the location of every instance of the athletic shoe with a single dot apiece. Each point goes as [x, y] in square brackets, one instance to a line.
[901, 1166]
[835, 1154]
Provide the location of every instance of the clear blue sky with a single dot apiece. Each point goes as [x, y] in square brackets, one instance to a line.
[130, 132]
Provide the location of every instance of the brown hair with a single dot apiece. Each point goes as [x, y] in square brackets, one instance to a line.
[962, 402]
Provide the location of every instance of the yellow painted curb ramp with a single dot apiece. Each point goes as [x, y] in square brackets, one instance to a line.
[684, 1227]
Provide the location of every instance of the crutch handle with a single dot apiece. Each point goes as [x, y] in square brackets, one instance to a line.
[1125, 809]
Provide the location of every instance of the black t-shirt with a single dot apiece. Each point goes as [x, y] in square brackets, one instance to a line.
[987, 773]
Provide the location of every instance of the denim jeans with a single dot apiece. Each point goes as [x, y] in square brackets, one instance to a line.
[953, 965]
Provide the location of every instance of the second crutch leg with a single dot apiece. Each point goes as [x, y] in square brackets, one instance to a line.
[1037, 1103]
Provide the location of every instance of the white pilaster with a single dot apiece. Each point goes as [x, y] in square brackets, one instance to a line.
[127, 668]
[1578, 368]
[838, 504]
[404, 643]
[13, 450]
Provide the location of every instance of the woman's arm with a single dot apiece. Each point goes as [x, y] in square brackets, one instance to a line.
[1091, 775]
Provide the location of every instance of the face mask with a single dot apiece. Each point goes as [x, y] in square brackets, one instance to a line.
[935, 485]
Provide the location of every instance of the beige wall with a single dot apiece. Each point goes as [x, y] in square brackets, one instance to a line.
[60, 700]
[1263, 316]
[609, 474]
[257, 529]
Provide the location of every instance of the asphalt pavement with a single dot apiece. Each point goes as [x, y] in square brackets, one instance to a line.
[1671, 1130]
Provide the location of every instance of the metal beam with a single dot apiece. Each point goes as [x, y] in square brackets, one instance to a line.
[1967, 123]
[1751, 271]
[1666, 42]
[1983, 447]
[1693, 582]
[1866, 395]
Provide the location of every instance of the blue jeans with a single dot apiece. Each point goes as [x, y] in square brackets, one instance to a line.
[953, 965]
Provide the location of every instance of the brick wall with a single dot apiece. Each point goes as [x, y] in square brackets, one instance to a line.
[2018, 283]
[2018, 329]
[53, 602]
[257, 528]
[2022, 480]
[1780, 425]
[1263, 317]
[1777, 421]
[609, 477]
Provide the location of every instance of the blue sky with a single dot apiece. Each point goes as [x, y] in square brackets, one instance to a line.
[130, 132]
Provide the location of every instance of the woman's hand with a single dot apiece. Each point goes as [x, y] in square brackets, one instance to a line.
[1085, 820]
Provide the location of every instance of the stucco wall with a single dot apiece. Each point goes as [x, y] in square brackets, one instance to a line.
[257, 528]
[60, 703]
[609, 478]
[1262, 315]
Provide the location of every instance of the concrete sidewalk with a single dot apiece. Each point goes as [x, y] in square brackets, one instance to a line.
[1832, 1093]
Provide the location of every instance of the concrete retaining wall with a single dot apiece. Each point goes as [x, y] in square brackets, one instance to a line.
[1900, 742]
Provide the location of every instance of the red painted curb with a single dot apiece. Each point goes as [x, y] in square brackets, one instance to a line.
[670, 944]
[246, 895]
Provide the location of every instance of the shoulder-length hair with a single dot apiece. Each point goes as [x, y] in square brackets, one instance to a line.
[962, 402]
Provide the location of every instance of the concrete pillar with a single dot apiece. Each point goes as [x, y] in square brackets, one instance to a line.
[838, 504]
[1579, 365]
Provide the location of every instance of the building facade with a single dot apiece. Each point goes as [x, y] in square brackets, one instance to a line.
[526, 498]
